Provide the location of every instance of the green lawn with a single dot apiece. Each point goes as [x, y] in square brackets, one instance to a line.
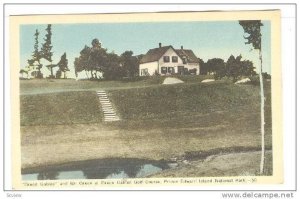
[38, 86]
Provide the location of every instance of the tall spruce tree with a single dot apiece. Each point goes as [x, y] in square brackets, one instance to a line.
[36, 53]
[253, 37]
[36, 56]
[46, 49]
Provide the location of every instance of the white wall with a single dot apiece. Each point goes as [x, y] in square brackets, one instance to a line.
[170, 52]
[192, 66]
[151, 66]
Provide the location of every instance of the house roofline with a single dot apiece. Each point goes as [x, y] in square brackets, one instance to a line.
[170, 46]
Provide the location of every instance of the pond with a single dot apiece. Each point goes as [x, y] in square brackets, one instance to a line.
[112, 168]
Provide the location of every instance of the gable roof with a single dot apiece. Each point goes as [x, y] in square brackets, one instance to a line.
[189, 54]
[156, 53]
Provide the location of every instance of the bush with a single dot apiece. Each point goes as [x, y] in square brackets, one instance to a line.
[254, 80]
[266, 75]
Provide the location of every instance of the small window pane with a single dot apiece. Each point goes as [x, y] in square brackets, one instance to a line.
[174, 59]
[166, 59]
[171, 70]
[163, 70]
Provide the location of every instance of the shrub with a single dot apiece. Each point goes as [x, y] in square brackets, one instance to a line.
[266, 75]
[254, 80]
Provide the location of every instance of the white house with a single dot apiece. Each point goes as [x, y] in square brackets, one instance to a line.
[166, 60]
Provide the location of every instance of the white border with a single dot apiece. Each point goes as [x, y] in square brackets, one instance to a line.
[288, 74]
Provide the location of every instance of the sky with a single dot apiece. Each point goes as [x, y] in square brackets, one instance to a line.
[213, 39]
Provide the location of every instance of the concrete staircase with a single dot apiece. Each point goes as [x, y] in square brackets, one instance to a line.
[108, 111]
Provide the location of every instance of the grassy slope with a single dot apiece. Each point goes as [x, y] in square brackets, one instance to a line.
[180, 100]
[60, 108]
[159, 122]
[184, 103]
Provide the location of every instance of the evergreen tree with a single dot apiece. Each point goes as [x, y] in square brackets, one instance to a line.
[46, 49]
[36, 53]
[36, 56]
[63, 65]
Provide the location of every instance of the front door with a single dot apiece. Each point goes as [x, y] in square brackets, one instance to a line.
[181, 70]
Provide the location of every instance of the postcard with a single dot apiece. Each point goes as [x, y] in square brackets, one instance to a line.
[146, 100]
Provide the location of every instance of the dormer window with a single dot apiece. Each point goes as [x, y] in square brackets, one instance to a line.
[166, 59]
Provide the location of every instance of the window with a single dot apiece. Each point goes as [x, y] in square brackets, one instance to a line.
[166, 59]
[181, 70]
[171, 70]
[174, 59]
[144, 72]
[163, 70]
[184, 60]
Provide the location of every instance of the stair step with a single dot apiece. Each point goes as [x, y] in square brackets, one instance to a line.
[107, 109]
[115, 118]
[109, 113]
[106, 106]
[110, 116]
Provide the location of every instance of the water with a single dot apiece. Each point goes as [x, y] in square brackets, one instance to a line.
[98, 169]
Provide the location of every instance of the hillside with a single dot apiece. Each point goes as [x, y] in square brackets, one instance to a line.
[158, 122]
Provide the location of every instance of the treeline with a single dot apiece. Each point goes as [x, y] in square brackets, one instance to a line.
[234, 68]
[98, 63]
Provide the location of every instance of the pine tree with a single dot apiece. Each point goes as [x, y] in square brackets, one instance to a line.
[63, 65]
[36, 56]
[46, 49]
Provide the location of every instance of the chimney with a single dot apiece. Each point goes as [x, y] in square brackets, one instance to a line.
[159, 45]
[181, 47]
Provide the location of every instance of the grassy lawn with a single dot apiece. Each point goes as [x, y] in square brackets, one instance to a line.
[38, 86]
[158, 121]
